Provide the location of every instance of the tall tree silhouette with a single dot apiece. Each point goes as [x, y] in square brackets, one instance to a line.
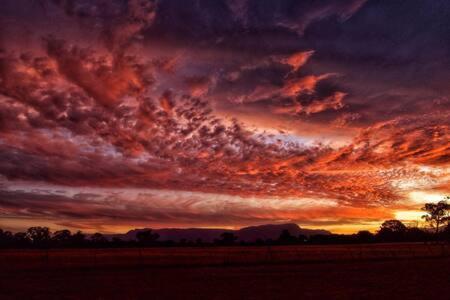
[437, 213]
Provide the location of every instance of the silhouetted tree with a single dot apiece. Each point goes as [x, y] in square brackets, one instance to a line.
[62, 238]
[364, 236]
[98, 239]
[39, 236]
[322, 239]
[392, 230]
[415, 234]
[78, 239]
[286, 237]
[168, 243]
[446, 232]
[6, 239]
[227, 238]
[302, 238]
[21, 240]
[117, 242]
[393, 225]
[259, 242]
[437, 214]
[146, 237]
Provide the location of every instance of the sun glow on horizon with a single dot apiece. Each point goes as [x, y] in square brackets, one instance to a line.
[421, 197]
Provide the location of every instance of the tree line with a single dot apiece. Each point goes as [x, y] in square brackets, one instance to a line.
[437, 215]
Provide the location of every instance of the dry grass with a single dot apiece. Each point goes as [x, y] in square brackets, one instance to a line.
[207, 256]
[389, 271]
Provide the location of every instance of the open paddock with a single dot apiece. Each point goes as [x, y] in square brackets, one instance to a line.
[390, 271]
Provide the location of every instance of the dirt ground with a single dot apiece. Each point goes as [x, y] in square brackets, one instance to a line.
[391, 276]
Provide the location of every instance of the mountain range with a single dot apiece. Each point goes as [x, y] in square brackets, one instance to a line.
[246, 234]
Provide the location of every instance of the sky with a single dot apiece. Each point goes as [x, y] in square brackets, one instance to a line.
[195, 113]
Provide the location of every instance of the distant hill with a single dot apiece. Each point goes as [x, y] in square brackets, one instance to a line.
[247, 234]
[271, 231]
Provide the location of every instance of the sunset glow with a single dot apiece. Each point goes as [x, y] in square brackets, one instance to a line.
[117, 115]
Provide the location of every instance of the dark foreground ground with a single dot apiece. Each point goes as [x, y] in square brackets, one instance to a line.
[314, 272]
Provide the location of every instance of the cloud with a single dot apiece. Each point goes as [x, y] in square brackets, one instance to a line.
[101, 209]
[334, 102]
[297, 60]
[301, 85]
[248, 99]
[421, 140]
[177, 142]
[107, 80]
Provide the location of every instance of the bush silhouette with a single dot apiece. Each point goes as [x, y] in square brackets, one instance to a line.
[98, 239]
[39, 236]
[364, 236]
[392, 230]
[286, 238]
[227, 238]
[146, 237]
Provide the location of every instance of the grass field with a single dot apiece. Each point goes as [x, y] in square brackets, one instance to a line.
[389, 271]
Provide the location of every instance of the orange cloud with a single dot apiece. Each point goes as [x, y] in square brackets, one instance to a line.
[297, 59]
[304, 84]
[106, 81]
